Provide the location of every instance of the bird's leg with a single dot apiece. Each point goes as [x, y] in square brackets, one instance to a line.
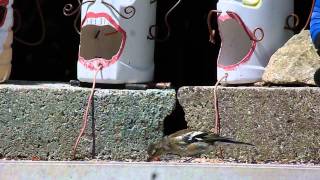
[220, 153]
[189, 160]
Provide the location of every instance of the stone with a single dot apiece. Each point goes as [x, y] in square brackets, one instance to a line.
[283, 123]
[295, 63]
[42, 121]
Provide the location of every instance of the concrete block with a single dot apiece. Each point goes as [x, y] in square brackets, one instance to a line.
[283, 122]
[43, 120]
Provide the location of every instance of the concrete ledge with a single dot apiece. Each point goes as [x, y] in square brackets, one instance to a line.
[153, 171]
[43, 120]
[283, 123]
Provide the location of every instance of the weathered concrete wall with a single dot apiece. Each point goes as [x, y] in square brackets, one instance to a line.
[283, 123]
[43, 120]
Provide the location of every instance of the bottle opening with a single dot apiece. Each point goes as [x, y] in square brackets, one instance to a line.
[236, 45]
[100, 42]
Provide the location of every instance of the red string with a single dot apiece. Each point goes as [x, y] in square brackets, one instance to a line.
[252, 36]
[216, 106]
[85, 116]
[309, 16]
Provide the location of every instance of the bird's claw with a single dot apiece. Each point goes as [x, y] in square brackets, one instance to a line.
[189, 160]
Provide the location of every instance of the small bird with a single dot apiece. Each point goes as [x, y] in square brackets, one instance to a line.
[188, 143]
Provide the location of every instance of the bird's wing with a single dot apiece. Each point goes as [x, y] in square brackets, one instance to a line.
[194, 136]
[199, 136]
[180, 133]
[187, 136]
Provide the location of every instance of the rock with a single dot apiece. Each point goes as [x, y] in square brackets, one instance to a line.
[282, 123]
[43, 120]
[295, 63]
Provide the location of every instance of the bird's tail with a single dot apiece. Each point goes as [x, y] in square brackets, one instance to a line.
[228, 140]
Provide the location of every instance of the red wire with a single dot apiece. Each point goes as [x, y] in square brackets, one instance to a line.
[216, 106]
[310, 14]
[85, 116]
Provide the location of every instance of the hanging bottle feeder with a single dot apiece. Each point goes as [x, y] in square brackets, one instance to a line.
[117, 39]
[6, 37]
[114, 38]
[251, 31]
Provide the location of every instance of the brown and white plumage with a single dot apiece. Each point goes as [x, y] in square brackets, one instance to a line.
[188, 143]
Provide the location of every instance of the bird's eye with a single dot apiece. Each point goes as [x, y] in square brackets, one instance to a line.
[154, 151]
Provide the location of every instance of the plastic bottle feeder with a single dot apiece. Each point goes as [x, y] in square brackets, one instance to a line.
[251, 31]
[114, 37]
[6, 37]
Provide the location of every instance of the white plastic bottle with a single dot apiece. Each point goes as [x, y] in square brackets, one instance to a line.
[6, 37]
[241, 57]
[114, 35]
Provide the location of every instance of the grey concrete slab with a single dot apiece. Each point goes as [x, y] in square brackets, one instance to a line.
[42, 120]
[153, 171]
[283, 122]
